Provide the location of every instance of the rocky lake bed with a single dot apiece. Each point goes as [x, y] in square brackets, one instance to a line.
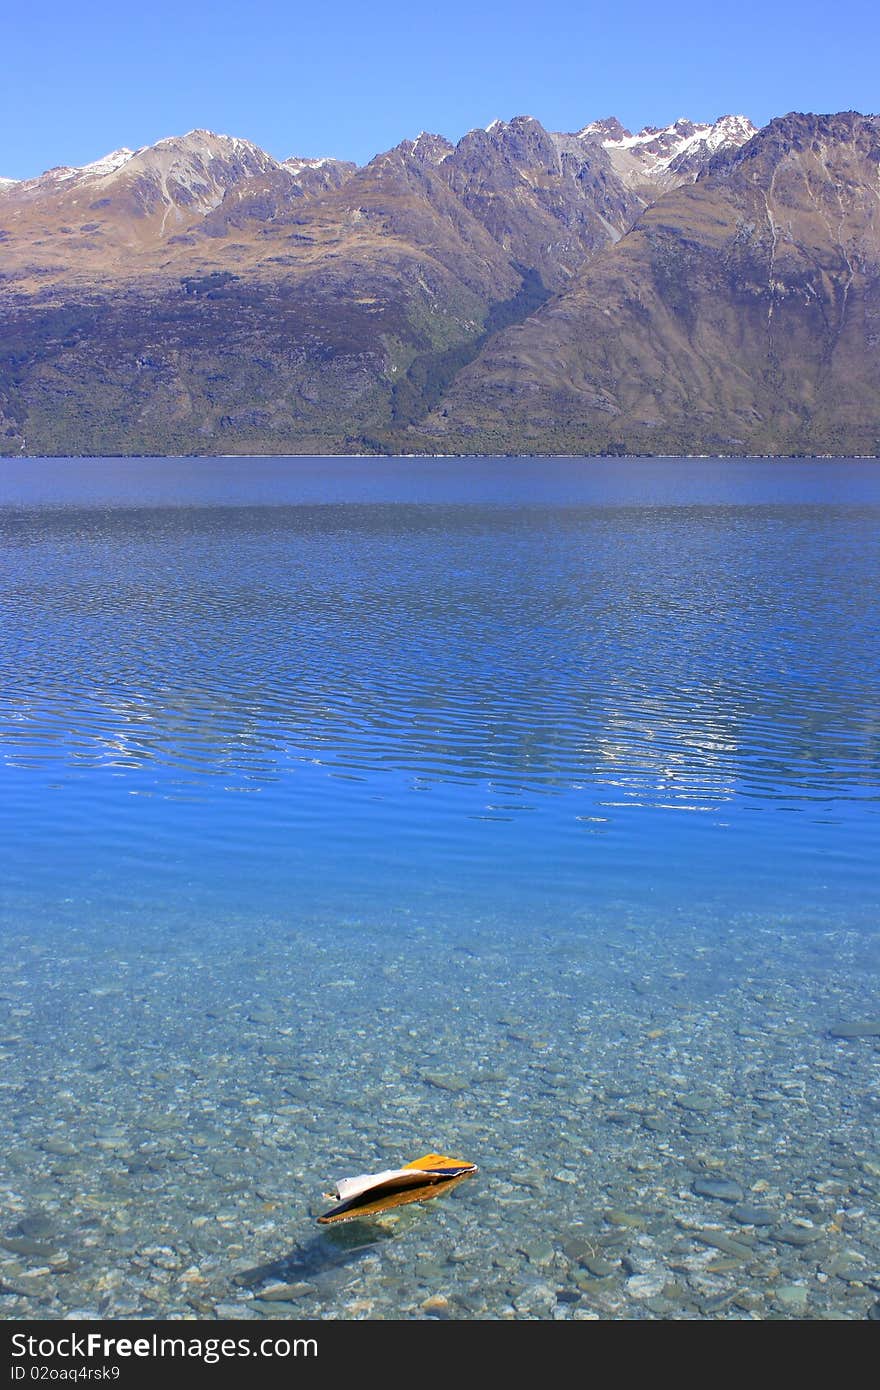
[672, 1127]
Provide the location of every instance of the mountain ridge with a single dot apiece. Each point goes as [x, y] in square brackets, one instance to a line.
[519, 289]
[611, 123]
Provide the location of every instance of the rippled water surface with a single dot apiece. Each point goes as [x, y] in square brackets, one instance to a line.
[525, 809]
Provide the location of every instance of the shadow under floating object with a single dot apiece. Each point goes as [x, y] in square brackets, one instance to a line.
[418, 1181]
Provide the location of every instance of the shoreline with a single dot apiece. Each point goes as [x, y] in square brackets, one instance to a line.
[627, 458]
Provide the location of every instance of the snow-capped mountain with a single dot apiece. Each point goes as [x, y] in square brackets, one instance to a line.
[193, 172]
[669, 155]
[190, 174]
[108, 164]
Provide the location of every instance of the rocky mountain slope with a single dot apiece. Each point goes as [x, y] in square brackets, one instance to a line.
[697, 288]
[740, 314]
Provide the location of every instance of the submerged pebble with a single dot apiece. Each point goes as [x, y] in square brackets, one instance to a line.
[794, 1297]
[749, 1215]
[718, 1189]
[574, 1214]
[866, 1029]
[791, 1234]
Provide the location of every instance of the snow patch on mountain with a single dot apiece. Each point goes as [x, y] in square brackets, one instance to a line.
[293, 165]
[669, 153]
[108, 164]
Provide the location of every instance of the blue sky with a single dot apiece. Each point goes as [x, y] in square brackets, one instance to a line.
[352, 79]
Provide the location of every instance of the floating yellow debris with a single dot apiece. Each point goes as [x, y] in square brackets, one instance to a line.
[418, 1181]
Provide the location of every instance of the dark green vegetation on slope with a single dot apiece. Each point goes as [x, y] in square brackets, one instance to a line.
[521, 291]
[431, 373]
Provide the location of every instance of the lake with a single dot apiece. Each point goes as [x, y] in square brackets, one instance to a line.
[524, 810]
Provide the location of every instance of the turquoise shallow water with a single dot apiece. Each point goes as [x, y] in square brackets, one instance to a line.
[526, 809]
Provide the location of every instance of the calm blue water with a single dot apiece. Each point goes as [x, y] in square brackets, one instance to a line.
[547, 684]
[492, 705]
